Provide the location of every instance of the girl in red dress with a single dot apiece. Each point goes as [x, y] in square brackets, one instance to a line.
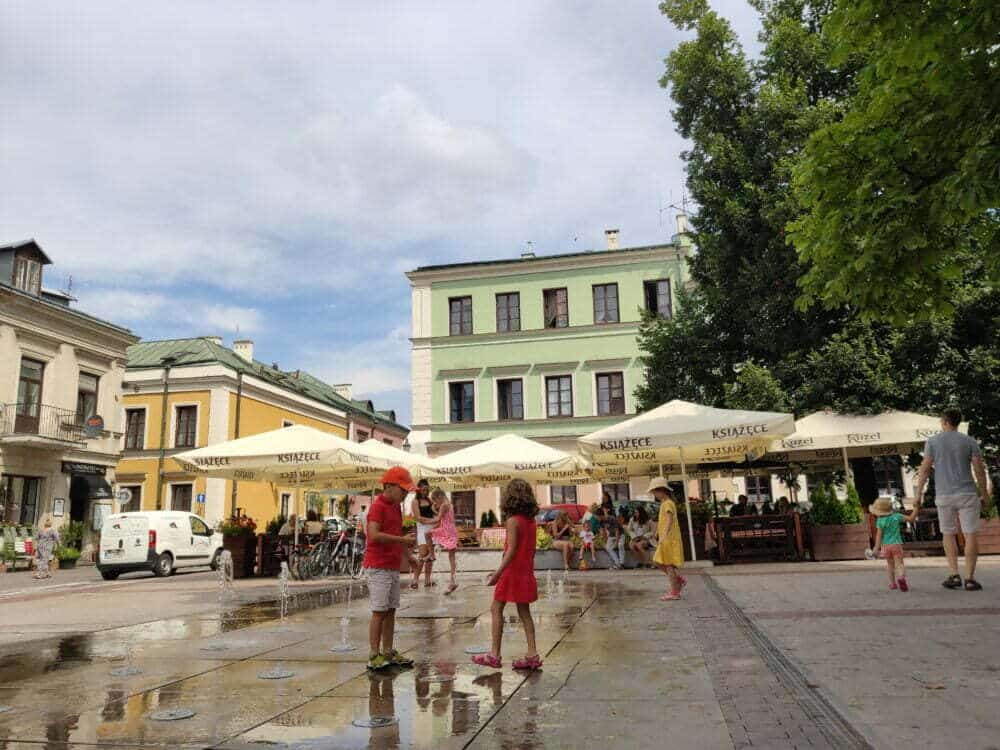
[515, 578]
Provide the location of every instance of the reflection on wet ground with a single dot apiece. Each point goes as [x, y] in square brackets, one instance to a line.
[63, 691]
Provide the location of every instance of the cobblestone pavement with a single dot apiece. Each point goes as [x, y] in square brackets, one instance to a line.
[752, 657]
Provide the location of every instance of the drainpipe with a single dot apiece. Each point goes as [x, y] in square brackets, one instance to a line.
[167, 362]
[239, 402]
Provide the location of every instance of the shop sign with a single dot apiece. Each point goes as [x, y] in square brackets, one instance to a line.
[76, 467]
[93, 426]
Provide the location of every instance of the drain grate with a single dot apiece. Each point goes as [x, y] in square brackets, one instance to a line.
[830, 723]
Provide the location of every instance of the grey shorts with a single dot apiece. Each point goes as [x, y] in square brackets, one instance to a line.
[383, 589]
[963, 508]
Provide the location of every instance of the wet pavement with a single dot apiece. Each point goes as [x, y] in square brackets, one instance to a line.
[747, 659]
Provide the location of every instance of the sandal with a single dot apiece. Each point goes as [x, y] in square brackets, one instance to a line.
[953, 582]
[528, 662]
[671, 597]
[451, 589]
[415, 586]
[971, 584]
[487, 660]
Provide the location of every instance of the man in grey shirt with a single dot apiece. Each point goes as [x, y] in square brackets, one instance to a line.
[958, 469]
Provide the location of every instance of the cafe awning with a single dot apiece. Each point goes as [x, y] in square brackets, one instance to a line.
[89, 487]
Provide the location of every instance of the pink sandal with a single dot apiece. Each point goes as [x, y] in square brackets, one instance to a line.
[671, 597]
[487, 660]
[529, 663]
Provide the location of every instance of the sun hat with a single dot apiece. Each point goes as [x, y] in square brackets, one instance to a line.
[399, 476]
[658, 483]
[881, 507]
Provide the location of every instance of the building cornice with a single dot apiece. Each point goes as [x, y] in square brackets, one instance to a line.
[523, 336]
[518, 425]
[525, 266]
[63, 327]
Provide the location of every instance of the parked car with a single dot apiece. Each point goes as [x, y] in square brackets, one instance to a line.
[160, 541]
[548, 513]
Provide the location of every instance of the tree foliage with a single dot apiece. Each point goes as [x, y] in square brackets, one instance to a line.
[903, 190]
[738, 338]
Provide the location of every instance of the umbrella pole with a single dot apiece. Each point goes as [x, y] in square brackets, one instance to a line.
[298, 486]
[847, 467]
[687, 504]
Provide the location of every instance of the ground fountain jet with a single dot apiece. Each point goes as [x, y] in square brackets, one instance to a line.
[345, 644]
[224, 573]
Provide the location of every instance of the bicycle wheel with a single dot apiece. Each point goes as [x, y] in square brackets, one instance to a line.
[357, 557]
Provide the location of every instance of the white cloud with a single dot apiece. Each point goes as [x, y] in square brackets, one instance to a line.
[185, 316]
[377, 367]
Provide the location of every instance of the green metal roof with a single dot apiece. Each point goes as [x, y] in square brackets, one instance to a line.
[202, 351]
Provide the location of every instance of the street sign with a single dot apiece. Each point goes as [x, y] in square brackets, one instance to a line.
[201, 498]
[124, 496]
[94, 426]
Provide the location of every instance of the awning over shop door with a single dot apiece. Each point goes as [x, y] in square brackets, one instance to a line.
[89, 487]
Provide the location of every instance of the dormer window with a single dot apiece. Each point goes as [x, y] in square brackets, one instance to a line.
[28, 275]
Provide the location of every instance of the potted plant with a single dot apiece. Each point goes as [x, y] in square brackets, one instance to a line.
[67, 556]
[71, 534]
[835, 526]
[239, 536]
[989, 530]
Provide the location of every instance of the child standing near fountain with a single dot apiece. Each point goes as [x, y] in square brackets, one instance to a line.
[515, 578]
[669, 555]
[446, 535]
[383, 557]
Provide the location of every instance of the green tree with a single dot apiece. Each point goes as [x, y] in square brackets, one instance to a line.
[902, 191]
[756, 389]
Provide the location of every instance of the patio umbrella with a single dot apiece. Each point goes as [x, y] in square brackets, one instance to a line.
[299, 455]
[681, 432]
[497, 461]
[829, 437]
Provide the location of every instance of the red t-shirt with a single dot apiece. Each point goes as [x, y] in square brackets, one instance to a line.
[389, 516]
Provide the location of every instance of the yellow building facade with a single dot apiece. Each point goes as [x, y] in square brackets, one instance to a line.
[189, 393]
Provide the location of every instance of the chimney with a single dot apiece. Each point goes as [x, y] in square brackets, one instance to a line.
[217, 340]
[344, 390]
[612, 235]
[243, 349]
[682, 223]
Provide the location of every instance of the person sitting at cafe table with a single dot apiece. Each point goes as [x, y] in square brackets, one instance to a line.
[740, 508]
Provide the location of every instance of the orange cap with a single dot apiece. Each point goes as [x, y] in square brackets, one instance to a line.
[399, 476]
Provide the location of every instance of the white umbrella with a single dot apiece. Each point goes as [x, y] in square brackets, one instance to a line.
[828, 437]
[507, 457]
[299, 455]
[682, 432]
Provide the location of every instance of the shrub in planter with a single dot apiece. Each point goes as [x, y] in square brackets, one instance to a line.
[239, 536]
[71, 534]
[67, 556]
[275, 525]
[543, 540]
[836, 530]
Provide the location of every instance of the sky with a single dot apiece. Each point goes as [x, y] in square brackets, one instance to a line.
[271, 170]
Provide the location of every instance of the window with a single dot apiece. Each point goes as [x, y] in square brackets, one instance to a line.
[460, 316]
[510, 399]
[387, 441]
[658, 299]
[563, 494]
[135, 429]
[29, 389]
[180, 497]
[185, 434]
[135, 504]
[619, 492]
[28, 275]
[605, 303]
[559, 396]
[286, 501]
[610, 394]
[556, 304]
[199, 527]
[360, 435]
[888, 475]
[464, 504]
[508, 312]
[287, 423]
[759, 489]
[86, 397]
[463, 401]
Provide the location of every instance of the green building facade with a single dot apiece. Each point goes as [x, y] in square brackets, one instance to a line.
[542, 346]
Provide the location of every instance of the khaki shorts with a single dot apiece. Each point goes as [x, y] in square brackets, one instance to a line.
[963, 508]
[383, 589]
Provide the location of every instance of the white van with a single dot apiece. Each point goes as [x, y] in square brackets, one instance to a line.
[157, 540]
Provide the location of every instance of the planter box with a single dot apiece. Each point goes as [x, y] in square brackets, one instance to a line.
[989, 536]
[243, 548]
[67, 564]
[843, 542]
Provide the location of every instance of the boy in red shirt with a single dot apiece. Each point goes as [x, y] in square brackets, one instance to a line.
[383, 556]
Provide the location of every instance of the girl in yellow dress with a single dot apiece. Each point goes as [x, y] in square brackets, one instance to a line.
[669, 555]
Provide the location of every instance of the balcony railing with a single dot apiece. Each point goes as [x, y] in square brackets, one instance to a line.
[40, 420]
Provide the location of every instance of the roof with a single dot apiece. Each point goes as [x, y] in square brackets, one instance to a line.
[539, 258]
[203, 351]
[28, 243]
[66, 309]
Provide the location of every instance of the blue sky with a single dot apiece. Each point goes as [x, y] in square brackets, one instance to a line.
[272, 169]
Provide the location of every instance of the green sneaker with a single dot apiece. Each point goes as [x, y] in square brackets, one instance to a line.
[396, 659]
[378, 662]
